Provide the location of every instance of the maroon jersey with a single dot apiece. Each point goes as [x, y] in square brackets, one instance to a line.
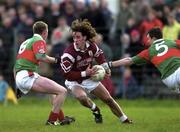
[74, 61]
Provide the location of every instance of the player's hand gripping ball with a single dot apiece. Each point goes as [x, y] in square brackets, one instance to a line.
[100, 73]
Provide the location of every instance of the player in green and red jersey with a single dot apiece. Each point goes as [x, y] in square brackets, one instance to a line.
[163, 54]
[31, 52]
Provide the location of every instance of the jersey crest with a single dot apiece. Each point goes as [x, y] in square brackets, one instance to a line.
[79, 58]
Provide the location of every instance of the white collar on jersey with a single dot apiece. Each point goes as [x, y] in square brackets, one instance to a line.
[157, 40]
[37, 35]
[77, 49]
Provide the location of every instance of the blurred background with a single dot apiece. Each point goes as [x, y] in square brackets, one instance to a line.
[122, 26]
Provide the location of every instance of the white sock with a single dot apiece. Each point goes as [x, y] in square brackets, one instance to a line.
[123, 118]
[93, 106]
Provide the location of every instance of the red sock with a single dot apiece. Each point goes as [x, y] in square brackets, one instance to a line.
[61, 115]
[53, 116]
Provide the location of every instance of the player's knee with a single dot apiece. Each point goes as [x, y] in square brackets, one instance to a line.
[82, 98]
[62, 91]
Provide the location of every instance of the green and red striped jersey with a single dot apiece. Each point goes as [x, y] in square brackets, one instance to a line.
[164, 54]
[29, 53]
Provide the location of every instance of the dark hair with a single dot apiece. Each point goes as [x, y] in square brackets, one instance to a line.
[155, 32]
[39, 27]
[85, 27]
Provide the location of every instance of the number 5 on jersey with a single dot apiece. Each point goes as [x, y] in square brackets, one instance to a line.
[163, 47]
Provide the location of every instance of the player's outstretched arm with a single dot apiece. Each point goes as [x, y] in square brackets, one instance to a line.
[47, 59]
[121, 62]
[51, 59]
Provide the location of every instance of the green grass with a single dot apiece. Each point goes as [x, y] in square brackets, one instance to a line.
[148, 116]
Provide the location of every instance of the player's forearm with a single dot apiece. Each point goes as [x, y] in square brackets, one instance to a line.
[51, 59]
[47, 59]
[122, 62]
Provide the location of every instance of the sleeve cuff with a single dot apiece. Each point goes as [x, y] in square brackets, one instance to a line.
[83, 74]
[105, 65]
[110, 64]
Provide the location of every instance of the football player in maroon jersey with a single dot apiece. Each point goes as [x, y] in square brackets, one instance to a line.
[76, 65]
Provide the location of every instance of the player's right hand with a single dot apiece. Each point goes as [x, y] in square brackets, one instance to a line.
[90, 71]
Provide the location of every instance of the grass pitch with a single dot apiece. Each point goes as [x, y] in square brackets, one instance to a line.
[31, 114]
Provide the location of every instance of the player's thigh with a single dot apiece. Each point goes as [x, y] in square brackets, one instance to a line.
[45, 85]
[78, 92]
[101, 92]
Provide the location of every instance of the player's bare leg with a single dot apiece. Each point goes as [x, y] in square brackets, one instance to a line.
[45, 85]
[64, 120]
[102, 93]
[81, 95]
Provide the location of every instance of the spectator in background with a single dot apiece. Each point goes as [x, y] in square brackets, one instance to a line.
[2, 12]
[13, 15]
[63, 4]
[107, 82]
[81, 8]
[39, 14]
[128, 87]
[135, 47]
[55, 14]
[3, 57]
[59, 41]
[69, 13]
[131, 25]
[123, 16]
[95, 16]
[3, 88]
[25, 26]
[11, 4]
[150, 22]
[104, 46]
[125, 43]
[46, 5]
[21, 10]
[108, 17]
[172, 29]
[6, 91]
[177, 12]
[7, 37]
[162, 14]
[122, 45]
[135, 43]
[61, 33]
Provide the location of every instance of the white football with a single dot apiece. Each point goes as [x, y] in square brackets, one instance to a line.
[100, 73]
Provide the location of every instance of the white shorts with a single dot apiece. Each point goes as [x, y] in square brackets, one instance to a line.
[24, 81]
[88, 85]
[173, 81]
